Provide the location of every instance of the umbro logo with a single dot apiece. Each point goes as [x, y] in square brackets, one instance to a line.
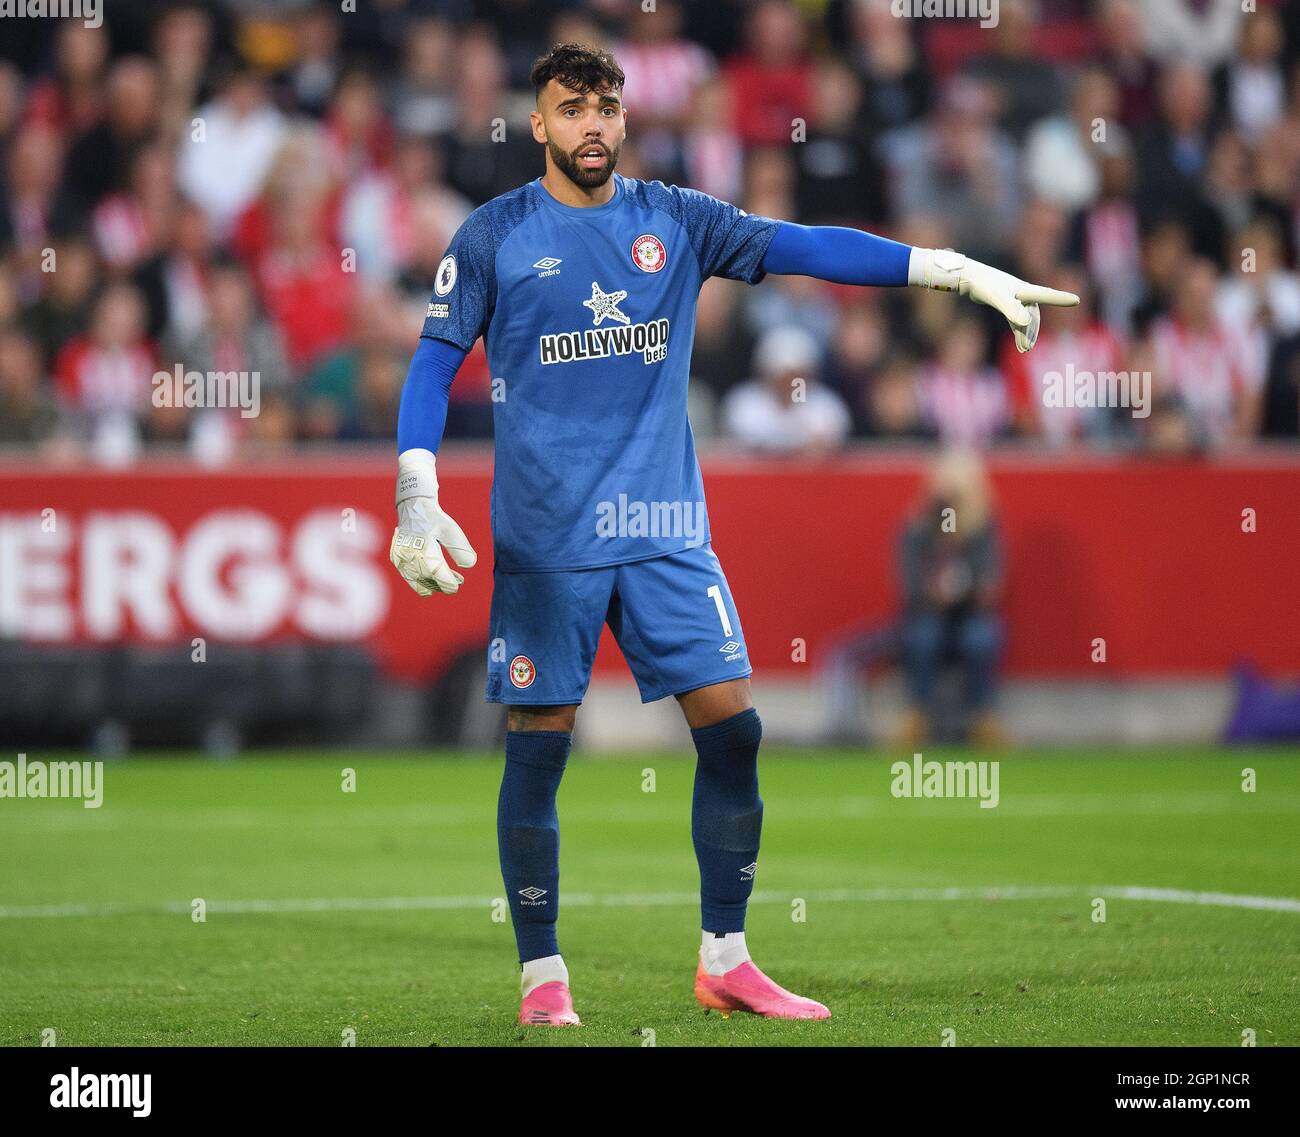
[548, 266]
[747, 873]
[729, 646]
[532, 893]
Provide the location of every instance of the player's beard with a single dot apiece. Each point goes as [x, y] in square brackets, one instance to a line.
[568, 165]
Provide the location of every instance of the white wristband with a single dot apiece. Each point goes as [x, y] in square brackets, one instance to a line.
[417, 475]
[935, 268]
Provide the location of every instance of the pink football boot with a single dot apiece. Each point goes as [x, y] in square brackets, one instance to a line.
[549, 1004]
[745, 988]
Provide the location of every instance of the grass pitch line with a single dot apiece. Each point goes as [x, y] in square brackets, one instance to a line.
[662, 899]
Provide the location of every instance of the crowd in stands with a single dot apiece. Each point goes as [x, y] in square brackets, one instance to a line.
[269, 187]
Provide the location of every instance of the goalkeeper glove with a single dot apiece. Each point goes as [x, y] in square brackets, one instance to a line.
[423, 530]
[946, 271]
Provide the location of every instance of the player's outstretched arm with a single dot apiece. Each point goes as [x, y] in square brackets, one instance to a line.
[423, 529]
[850, 256]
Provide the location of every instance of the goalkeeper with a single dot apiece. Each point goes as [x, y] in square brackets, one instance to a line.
[584, 284]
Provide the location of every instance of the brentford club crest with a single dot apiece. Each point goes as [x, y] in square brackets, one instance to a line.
[522, 671]
[648, 253]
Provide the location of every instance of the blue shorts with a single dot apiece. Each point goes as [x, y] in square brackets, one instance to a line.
[673, 618]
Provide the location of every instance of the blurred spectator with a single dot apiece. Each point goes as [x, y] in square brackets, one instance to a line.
[838, 179]
[1075, 344]
[961, 167]
[663, 72]
[786, 410]
[234, 336]
[1260, 295]
[723, 341]
[1166, 249]
[1281, 409]
[304, 285]
[100, 161]
[1062, 153]
[182, 45]
[358, 137]
[104, 376]
[963, 399]
[71, 99]
[772, 80]
[486, 154]
[28, 413]
[345, 394]
[377, 216]
[422, 97]
[1025, 85]
[1175, 151]
[896, 83]
[1228, 187]
[229, 150]
[859, 347]
[33, 208]
[1255, 86]
[1204, 31]
[1216, 371]
[64, 307]
[1124, 57]
[950, 558]
[316, 68]
[1105, 237]
[894, 406]
[712, 155]
[172, 281]
[11, 103]
[133, 224]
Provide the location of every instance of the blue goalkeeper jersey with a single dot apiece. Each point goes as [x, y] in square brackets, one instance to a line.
[589, 317]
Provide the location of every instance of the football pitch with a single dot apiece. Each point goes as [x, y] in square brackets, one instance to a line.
[918, 921]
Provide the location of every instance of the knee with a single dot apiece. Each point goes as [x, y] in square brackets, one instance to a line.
[542, 718]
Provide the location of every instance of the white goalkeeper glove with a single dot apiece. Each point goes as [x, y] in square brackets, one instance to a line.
[946, 271]
[423, 530]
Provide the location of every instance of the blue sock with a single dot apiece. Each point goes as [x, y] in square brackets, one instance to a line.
[528, 836]
[727, 818]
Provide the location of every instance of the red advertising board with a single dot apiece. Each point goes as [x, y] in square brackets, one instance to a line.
[1156, 558]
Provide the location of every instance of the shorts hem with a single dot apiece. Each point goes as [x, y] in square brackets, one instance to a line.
[694, 686]
[535, 702]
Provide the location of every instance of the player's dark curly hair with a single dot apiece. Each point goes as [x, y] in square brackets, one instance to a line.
[579, 66]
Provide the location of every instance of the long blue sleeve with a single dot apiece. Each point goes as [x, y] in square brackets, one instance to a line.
[422, 414]
[842, 255]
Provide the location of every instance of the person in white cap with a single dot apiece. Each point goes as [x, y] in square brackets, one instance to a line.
[786, 410]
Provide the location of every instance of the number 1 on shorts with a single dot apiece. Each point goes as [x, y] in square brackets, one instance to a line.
[716, 593]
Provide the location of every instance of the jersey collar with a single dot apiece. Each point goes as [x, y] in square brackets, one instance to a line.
[581, 210]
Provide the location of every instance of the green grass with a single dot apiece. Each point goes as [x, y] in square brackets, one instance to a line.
[894, 969]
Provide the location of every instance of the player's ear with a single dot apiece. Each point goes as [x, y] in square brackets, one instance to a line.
[539, 126]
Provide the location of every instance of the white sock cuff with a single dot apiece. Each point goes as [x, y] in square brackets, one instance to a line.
[547, 969]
